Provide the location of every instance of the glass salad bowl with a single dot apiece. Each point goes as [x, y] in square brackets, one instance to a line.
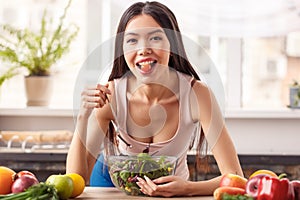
[124, 170]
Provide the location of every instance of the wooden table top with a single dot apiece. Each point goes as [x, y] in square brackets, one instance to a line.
[114, 193]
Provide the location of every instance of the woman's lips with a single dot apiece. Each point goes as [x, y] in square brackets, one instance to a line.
[146, 67]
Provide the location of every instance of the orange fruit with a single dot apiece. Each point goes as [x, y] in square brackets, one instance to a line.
[264, 172]
[78, 182]
[6, 179]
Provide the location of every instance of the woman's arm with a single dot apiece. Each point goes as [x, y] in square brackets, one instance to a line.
[169, 186]
[88, 135]
[216, 133]
[218, 138]
[227, 161]
[209, 115]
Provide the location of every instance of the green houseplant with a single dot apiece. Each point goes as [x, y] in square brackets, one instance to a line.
[36, 52]
[295, 94]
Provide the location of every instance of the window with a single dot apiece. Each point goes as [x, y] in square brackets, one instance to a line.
[255, 70]
[267, 72]
[28, 13]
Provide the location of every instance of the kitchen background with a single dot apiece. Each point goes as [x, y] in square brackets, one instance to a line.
[253, 45]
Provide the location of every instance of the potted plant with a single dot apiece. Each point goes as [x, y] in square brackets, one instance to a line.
[295, 95]
[36, 52]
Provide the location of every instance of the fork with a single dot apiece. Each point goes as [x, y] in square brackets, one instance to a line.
[116, 123]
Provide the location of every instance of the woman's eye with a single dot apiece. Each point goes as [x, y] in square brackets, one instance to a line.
[132, 40]
[156, 38]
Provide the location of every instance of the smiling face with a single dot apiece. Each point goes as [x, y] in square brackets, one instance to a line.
[146, 46]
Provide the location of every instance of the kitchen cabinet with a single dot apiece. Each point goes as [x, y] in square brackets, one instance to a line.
[42, 164]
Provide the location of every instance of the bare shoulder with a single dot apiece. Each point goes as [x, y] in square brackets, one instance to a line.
[200, 100]
[201, 88]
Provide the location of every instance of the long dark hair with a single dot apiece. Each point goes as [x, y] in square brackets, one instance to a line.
[167, 20]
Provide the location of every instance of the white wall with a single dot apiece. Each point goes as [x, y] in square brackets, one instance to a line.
[266, 136]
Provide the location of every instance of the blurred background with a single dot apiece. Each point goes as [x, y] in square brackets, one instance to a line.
[254, 45]
[253, 49]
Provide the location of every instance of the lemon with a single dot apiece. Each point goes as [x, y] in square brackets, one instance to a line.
[63, 184]
[78, 182]
[263, 172]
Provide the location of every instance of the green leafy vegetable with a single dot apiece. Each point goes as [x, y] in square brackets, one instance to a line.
[125, 170]
[41, 191]
[236, 197]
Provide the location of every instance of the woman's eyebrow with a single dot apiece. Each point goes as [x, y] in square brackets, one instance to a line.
[149, 33]
[130, 33]
[155, 31]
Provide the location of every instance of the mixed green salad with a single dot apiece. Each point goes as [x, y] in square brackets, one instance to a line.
[124, 170]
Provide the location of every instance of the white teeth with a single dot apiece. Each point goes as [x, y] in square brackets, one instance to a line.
[146, 63]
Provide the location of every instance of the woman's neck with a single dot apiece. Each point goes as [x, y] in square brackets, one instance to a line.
[155, 91]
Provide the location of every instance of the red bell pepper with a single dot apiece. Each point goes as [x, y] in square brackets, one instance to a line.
[273, 188]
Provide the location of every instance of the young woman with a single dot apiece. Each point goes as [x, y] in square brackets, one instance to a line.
[158, 102]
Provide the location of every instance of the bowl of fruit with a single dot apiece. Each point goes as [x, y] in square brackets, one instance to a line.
[124, 170]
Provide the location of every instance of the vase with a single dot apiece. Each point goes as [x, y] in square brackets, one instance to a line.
[38, 90]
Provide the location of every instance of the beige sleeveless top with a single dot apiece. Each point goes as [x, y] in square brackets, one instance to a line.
[178, 145]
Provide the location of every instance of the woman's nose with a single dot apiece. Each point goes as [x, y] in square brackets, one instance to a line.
[144, 51]
[144, 47]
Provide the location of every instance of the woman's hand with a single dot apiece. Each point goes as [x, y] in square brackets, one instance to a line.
[93, 97]
[166, 186]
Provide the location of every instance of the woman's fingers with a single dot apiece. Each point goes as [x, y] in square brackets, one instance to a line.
[103, 88]
[90, 105]
[89, 102]
[152, 185]
[166, 186]
[163, 179]
[95, 97]
[89, 99]
[149, 189]
[145, 188]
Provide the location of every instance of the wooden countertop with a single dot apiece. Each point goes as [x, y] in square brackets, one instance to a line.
[113, 193]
